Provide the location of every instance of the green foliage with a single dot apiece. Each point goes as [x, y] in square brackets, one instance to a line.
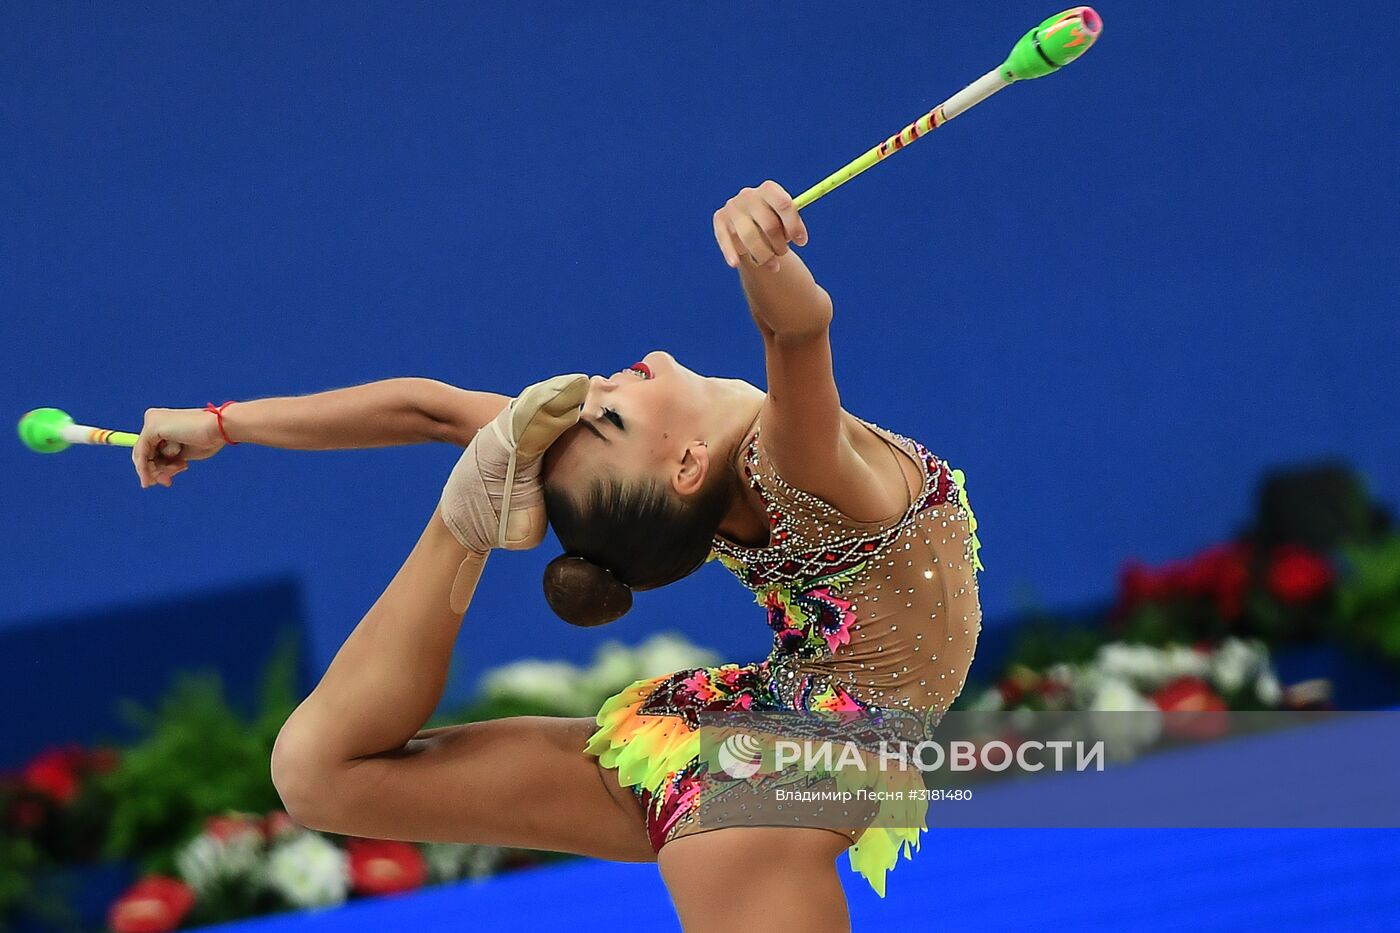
[18, 861]
[196, 758]
[1368, 599]
[23, 891]
[1153, 624]
[1040, 644]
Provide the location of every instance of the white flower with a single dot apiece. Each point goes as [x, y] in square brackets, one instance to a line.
[1237, 663]
[1114, 695]
[483, 860]
[1181, 661]
[556, 684]
[1126, 720]
[1061, 673]
[309, 870]
[1267, 688]
[1135, 664]
[665, 654]
[1084, 685]
[988, 702]
[982, 713]
[451, 861]
[207, 862]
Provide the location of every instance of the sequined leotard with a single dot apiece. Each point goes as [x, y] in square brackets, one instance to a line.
[865, 616]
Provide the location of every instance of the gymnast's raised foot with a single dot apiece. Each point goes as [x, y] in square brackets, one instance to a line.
[502, 464]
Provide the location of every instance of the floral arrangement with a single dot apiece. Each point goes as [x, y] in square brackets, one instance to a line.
[57, 802]
[53, 811]
[1150, 682]
[1280, 593]
[197, 757]
[179, 803]
[243, 865]
[1235, 674]
[1332, 583]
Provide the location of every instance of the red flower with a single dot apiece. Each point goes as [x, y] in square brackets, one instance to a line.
[155, 904]
[1138, 583]
[1219, 573]
[1011, 692]
[1194, 710]
[381, 866]
[1053, 693]
[52, 774]
[231, 825]
[1228, 576]
[1192, 576]
[1297, 575]
[277, 824]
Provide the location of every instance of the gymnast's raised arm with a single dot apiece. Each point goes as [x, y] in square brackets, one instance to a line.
[807, 434]
[379, 414]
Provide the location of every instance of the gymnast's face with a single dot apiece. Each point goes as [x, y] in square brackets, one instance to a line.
[651, 420]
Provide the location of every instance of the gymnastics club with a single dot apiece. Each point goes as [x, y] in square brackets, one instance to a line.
[49, 430]
[1048, 47]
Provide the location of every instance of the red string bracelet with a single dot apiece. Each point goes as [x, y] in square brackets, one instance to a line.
[218, 412]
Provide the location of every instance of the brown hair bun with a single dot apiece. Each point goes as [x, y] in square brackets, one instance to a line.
[582, 593]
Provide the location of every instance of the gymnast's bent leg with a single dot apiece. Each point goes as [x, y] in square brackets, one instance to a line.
[352, 759]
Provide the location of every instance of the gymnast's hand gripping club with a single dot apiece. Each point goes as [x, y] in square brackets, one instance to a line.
[50, 430]
[1047, 48]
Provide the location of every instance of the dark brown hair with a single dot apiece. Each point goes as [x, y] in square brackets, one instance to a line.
[627, 536]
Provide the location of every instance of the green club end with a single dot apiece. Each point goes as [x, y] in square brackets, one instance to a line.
[1053, 44]
[41, 430]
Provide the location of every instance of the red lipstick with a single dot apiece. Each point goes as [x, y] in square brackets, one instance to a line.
[642, 368]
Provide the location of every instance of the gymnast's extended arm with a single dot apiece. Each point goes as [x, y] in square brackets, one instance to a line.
[379, 414]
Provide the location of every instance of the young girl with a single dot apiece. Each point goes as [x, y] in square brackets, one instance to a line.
[859, 544]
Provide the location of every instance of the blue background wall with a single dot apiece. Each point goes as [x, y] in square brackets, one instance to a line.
[1113, 297]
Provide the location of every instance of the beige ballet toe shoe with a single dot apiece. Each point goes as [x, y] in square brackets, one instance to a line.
[546, 410]
[494, 497]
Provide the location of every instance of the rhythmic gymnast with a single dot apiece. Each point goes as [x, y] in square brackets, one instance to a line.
[858, 541]
[859, 544]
